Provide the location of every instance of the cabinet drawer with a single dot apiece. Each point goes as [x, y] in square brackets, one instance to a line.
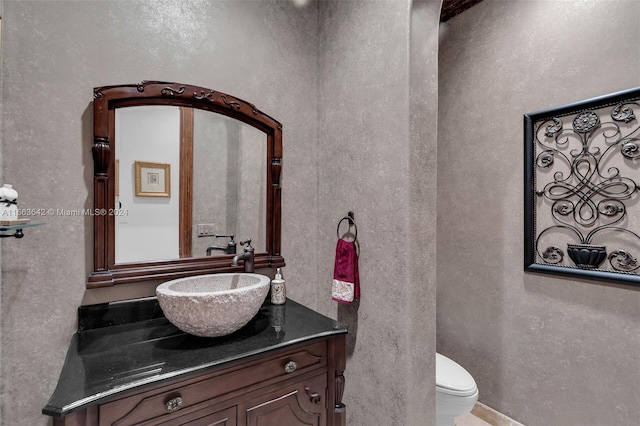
[208, 416]
[224, 383]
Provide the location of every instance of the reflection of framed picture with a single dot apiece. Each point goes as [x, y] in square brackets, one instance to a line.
[152, 179]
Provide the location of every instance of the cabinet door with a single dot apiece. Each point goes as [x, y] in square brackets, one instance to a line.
[298, 404]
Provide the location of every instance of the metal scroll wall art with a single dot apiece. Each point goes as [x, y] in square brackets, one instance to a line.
[582, 193]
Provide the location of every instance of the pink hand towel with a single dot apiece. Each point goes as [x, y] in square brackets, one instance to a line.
[346, 280]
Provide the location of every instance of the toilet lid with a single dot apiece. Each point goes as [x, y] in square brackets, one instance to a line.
[451, 376]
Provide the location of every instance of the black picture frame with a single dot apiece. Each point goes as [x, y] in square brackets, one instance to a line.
[584, 185]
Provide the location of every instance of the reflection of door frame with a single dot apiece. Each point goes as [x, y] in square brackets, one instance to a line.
[185, 221]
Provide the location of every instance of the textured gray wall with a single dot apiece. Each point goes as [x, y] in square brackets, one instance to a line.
[356, 137]
[54, 53]
[1, 180]
[421, 245]
[544, 350]
[371, 162]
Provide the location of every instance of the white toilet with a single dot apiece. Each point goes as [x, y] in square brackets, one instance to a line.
[456, 391]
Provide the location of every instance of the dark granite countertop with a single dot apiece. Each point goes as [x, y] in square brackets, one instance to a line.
[126, 345]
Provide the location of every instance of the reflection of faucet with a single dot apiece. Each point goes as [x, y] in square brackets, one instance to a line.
[229, 249]
[247, 257]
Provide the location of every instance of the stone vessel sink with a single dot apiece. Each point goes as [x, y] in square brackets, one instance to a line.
[213, 305]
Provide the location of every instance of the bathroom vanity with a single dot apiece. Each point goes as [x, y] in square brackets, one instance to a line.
[128, 365]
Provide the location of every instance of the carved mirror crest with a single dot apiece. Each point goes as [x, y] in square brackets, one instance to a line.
[182, 174]
[582, 177]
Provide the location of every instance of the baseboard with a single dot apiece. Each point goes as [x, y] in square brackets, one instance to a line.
[492, 416]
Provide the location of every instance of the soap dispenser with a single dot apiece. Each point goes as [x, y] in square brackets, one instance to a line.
[278, 291]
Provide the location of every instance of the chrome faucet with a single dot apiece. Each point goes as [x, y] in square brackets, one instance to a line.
[247, 257]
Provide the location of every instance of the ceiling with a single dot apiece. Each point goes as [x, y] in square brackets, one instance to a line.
[451, 8]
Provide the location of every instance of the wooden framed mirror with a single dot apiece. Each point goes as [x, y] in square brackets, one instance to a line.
[178, 170]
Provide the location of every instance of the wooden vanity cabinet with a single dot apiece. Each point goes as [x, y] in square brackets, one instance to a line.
[297, 385]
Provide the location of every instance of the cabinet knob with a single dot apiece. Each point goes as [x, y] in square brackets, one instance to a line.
[173, 405]
[290, 367]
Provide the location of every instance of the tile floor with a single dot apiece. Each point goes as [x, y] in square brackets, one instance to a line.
[481, 415]
[471, 420]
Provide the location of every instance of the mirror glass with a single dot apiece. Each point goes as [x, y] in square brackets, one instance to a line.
[222, 169]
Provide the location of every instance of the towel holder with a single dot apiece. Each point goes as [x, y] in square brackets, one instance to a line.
[350, 218]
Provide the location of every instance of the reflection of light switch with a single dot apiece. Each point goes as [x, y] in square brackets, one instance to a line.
[205, 229]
